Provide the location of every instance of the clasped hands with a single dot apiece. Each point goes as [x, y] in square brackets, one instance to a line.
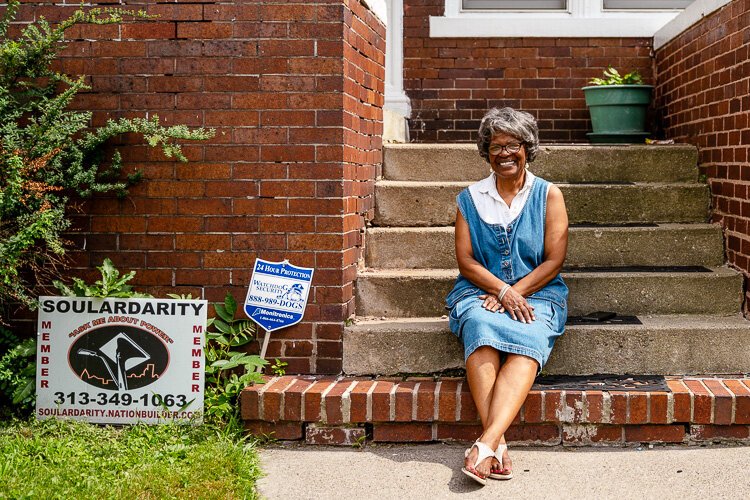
[513, 302]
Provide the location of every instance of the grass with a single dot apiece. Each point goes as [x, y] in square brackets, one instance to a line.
[66, 459]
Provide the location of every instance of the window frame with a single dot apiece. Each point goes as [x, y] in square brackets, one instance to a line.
[581, 18]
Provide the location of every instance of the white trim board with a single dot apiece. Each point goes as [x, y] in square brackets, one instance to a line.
[583, 18]
[691, 15]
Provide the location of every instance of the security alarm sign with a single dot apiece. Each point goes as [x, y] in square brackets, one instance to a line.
[120, 361]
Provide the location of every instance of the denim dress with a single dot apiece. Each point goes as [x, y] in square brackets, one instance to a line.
[510, 254]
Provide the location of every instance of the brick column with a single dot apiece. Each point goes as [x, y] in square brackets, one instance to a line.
[703, 98]
[295, 93]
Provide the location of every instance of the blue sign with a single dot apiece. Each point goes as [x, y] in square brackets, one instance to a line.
[277, 295]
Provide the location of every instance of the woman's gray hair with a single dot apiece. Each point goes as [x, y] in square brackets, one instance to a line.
[519, 124]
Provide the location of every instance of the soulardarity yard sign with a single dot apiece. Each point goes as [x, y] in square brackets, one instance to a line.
[120, 361]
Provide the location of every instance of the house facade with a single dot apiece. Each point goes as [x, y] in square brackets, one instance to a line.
[298, 92]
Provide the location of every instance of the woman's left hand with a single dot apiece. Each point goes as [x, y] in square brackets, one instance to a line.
[517, 307]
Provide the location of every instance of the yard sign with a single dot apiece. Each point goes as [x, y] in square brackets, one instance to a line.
[120, 361]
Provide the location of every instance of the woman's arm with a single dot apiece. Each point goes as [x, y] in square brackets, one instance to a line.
[555, 245]
[468, 266]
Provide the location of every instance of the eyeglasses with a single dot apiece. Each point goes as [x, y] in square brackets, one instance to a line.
[512, 148]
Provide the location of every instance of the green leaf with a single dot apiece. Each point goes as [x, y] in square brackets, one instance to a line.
[222, 326]
[223, 313]
[230, 305]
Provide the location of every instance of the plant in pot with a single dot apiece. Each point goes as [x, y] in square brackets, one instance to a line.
[618, 105]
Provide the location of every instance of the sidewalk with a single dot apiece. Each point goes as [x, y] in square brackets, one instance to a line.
[432, 471]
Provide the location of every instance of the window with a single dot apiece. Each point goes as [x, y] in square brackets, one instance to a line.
[515, 4]
[646, 4]
[555, 18]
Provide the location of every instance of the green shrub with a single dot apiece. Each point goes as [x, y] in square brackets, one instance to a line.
[48, 153]
[228, 370]
[17, 374]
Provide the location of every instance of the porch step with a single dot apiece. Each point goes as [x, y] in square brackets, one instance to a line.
[556, 163]
[350, 411]
[411, 203]
[662, 344]
[660, 245]
[421, 292]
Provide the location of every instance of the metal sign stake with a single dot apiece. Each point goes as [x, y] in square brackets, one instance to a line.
[264, 347]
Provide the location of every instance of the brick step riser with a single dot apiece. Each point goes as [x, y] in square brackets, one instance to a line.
[415, 204]
[410, 295]
[461, 162]
[426, 409]
[670, 245]
[668, 346]
[568, 435]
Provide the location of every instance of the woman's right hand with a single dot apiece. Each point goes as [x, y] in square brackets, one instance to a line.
[517, 306]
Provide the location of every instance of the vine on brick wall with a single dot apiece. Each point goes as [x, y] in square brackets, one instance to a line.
[48, 154]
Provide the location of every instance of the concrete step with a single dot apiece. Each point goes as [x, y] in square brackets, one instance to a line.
[558, 163]
[421, 292]
[405, 203]
[695, 344]
[662, 245]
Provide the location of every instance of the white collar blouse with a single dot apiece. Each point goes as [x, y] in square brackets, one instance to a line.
[491, 206]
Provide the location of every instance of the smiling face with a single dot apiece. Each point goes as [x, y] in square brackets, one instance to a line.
[505, 164]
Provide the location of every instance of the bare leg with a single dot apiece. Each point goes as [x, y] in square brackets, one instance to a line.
[512, 385]
[482, 369]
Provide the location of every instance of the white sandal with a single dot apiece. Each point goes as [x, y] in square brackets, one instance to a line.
[484, 452]
[499, 455]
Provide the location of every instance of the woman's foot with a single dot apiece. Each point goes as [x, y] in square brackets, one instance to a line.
[484, 457]
[504, 469]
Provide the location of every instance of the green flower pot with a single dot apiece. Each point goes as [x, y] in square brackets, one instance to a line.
[618, 112]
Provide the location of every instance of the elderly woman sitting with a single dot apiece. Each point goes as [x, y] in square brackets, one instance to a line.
[508, 305]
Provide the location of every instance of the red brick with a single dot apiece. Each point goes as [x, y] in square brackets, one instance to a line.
[404, 401]
[333, 402]
[655, 433]
[742, 401]
[149, 31]
[447, 400]
[358, 398]
[458, 432]
[402, 432]
[720, 432]
[618, 407]
[594, 407]
[574, 407]
[702, 402]
[271, 398]
[426, 401]
[591, 434]
[469, 412]
[658, 408]
[532, 408]
[637, 408]
[723, 403]
[293, 399]
[312, 398]
[545, 434]
[381, 401]
[204, 30]
[333, 435]
[552, 405]
[683, 402]
[250, 403]
[279, 430]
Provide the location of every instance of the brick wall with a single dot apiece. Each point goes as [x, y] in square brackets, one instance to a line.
[294, 91]
[453, 81]
[703, 98]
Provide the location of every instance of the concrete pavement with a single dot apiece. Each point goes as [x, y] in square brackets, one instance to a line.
[432, 471]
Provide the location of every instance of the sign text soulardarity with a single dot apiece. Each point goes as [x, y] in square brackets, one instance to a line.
[160, 308]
